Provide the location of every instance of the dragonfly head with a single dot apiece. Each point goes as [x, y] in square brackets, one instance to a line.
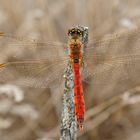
[78, 35]
[75, 35]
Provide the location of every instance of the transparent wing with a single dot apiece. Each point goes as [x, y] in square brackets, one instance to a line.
[39, 74]
[123, 65]
[58, 49]
[103, 57]
[24, 48]
[27, 62]
[114, 57]
[114, 40]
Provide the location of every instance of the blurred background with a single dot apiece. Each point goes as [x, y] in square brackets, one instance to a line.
[112, 98]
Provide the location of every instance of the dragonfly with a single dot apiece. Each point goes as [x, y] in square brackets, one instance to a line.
[45, 62]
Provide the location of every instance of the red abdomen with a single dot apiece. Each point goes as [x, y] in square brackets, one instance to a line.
[78, 95]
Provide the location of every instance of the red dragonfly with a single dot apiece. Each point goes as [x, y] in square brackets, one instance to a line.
[39, 68]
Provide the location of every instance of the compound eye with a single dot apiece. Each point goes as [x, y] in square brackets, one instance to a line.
[69, 32]
[78, 32]
[81, 34]
[73, 32]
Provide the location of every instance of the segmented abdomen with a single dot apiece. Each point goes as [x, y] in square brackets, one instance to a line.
[78, 95]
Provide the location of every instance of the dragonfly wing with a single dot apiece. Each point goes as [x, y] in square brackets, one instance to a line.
[113, 54]
[123, 67]
[115, 40]
[38, 74]
[18, 53]
[32, 47]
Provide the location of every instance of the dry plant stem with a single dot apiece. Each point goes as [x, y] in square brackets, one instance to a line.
[68, 120]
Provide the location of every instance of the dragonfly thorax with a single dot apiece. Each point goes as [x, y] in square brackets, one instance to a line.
[75, 53]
